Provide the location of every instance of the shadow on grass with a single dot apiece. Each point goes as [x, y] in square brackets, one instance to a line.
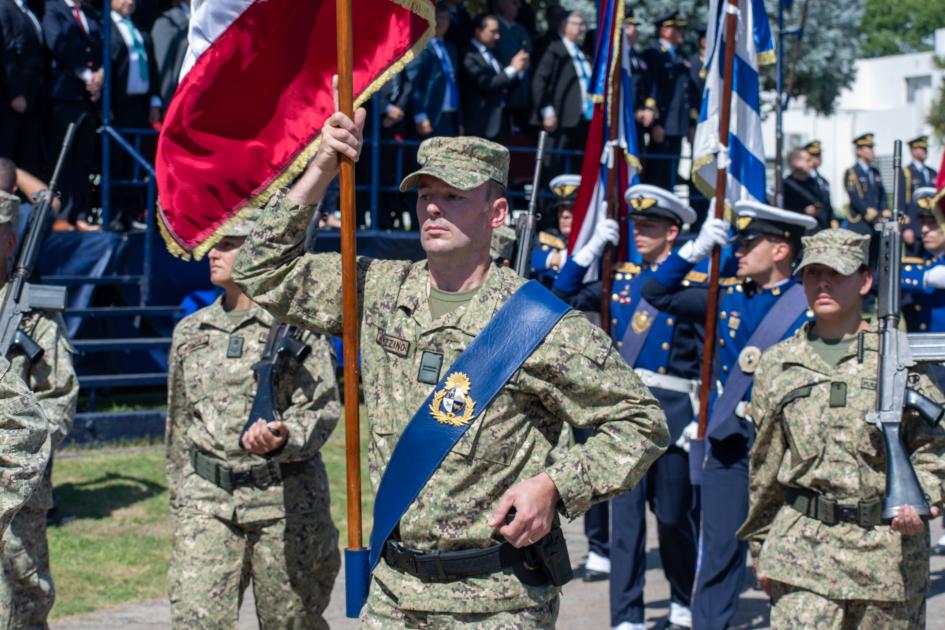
[99, 498]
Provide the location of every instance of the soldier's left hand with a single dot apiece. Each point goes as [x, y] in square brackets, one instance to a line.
[908, 522]
[261, 437]
[534, 501]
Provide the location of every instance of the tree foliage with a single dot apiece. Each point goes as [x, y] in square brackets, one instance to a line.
[828, 50]
[892, 27]
[936, 118]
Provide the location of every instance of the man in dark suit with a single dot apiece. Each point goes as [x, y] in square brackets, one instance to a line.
[23, 86]
[485, 84]
[169, 36]
[433, 77]
[802, 193]
[460, 24]
[135, 105]
[74, 38]
[560, 94]
[670, 70]
[815, 149]
[513, 37]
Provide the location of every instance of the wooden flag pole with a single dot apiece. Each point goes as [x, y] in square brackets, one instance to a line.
[357, 569]
[613, 195]
[712, 312]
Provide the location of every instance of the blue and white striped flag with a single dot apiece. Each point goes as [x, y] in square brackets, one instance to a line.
[745, 157]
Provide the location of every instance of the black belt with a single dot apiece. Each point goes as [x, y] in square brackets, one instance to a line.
[866, 513]
[456, 565]
[260, 476]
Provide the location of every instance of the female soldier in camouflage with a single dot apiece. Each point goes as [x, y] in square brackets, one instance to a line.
[257, 506]
[818, 468]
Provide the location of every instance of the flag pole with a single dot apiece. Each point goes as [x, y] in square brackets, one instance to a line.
[357, 570]
[712, 312]
[613, 195]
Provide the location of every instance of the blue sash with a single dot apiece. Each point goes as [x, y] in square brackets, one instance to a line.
[467, 389]
[776, 323]
[633, 341]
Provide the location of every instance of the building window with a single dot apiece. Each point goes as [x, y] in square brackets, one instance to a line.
[915, 86]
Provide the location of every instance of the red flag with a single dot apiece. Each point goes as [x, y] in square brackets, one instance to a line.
[256, 91]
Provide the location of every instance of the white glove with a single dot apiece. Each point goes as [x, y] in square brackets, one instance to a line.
[714, 232]
[607, 231]
[935, 277]
[690, 433]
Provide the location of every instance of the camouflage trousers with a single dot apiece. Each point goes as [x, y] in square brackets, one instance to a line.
[797, 608]
[26, 586]
[292, 563]
[381, 613]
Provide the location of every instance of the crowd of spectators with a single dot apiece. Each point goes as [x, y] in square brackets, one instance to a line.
[52, 75]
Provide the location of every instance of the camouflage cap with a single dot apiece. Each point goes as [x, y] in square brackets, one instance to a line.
[842, 250]
[464, 163]
[9, 208]
[243, 225]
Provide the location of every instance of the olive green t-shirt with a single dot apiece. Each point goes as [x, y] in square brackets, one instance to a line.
[443, 302]
[236, 315]
[831, 350]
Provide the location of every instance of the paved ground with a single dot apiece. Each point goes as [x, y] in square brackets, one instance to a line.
[583, 607]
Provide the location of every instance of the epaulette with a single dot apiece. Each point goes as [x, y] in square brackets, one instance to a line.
[728, 282]
[696, 276]
[628, 267]
[551, 240]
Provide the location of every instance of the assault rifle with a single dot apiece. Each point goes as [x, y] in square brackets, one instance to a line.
[283, 341]
[21, 296]
[897, 353]
[526, 223]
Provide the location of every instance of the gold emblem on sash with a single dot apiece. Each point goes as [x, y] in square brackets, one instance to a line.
[452, 404]
[748, 359]
[641, 322]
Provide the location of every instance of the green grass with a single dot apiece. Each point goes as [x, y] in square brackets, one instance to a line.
[118, 547]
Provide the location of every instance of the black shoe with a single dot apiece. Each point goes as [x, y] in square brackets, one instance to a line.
[676, 626]
[595, 576]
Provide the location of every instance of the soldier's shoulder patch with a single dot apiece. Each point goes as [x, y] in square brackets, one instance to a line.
[696, 276]
[551, 240]
[628, 267]
[189, 346]
[868, 383]
[729, 282]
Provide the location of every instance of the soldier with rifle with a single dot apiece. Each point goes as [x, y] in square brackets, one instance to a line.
[250, 404]
[759, 304]
[844, 464]
[33, 340]
[469, 376]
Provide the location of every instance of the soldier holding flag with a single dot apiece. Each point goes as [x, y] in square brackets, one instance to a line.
[450, 547]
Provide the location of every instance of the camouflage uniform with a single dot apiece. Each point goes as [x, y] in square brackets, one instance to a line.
[573, 377]
[281, 536]
[26, 586]
[25, 445]
[809, 439]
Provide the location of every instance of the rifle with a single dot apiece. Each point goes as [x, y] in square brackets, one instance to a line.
[526, 223]
[283, 340]
[22, 297]
[893, 392]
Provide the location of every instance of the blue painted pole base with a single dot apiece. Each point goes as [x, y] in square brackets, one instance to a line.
[696, 461]
[357, 580]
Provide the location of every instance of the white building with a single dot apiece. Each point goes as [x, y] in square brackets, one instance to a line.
[890, 97]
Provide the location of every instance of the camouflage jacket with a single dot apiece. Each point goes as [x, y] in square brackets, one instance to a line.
[24, 442]
[573, 377]
[53, 382]
[804, 442]
[209, 399]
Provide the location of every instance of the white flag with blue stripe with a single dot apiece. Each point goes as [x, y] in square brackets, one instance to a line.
[745, 156]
